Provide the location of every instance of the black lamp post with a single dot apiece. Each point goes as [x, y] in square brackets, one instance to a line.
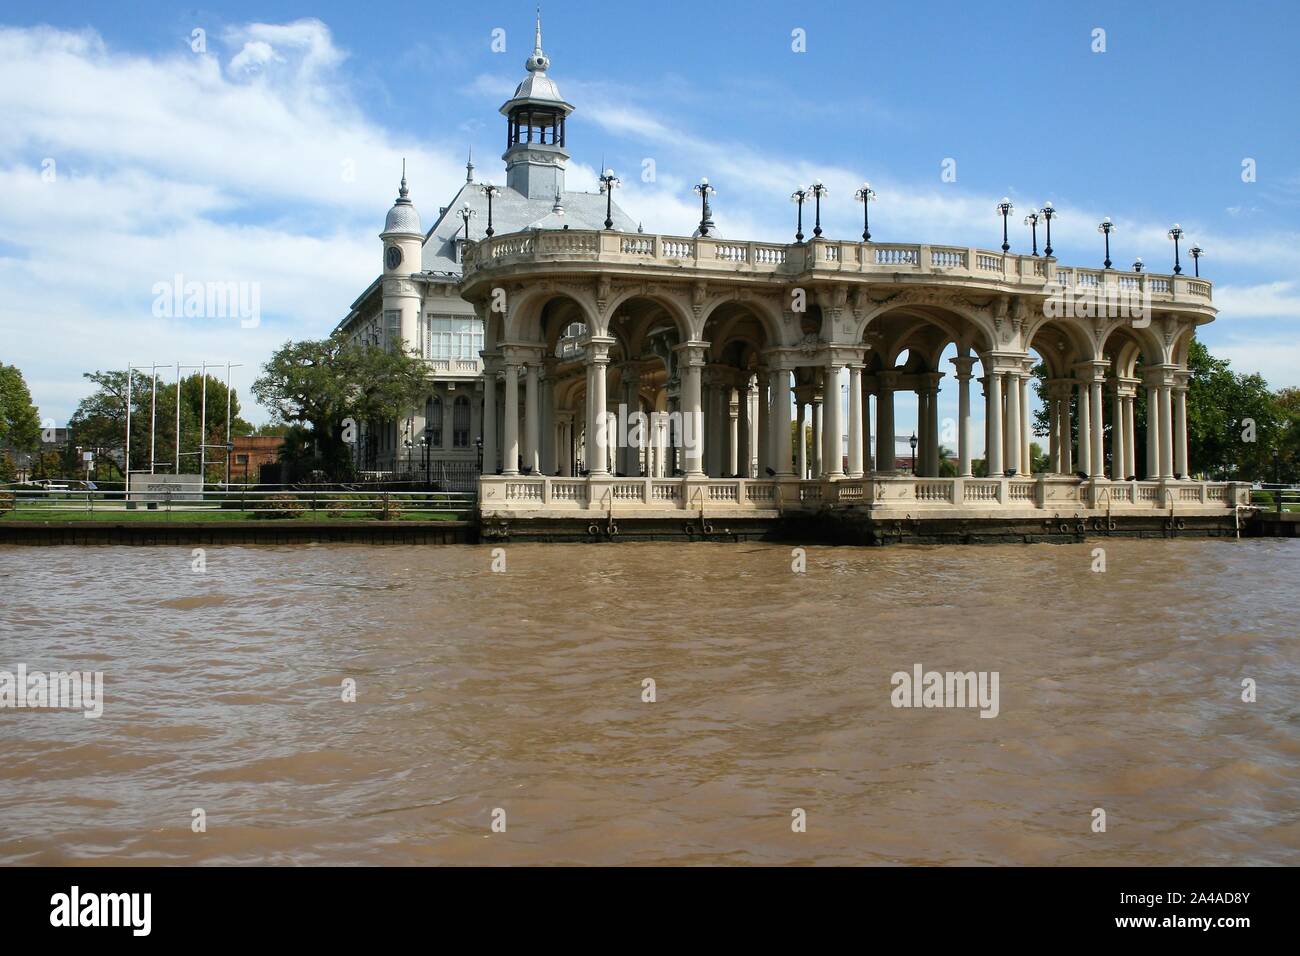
[608, 183]
[912, 441]
[466, 213]
[1004, 210]
[407, 443]
[1175, 233]
[704, 190]
[866, 195]
[1106, 227]
[1032, 222]
[1137, 264]
[491, 192]
[424, 452]
[1196, 252]
[1047, 212]
[818, 191]
[797, 197]
[478, 443]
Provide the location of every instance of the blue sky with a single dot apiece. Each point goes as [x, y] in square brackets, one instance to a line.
[272, 155]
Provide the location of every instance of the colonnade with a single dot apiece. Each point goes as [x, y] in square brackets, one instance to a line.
[719, 421]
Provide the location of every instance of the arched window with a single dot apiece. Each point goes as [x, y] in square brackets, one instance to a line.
[433, 421]
[460, 422]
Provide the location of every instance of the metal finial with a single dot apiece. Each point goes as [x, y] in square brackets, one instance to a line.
[402, 191]
[469, 166]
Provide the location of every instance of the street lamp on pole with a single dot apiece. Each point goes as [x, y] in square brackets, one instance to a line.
[1032, 222]
[491, 192]
[1137, 264]
[913, 442]
[818, 191]
[1175, 233]
[1106, 227]
[1004, 210]
[798, 197]
[466, 214]
[704, 191]
[1047, 212]
[608, 183]
[866, 195]
[1196, 252]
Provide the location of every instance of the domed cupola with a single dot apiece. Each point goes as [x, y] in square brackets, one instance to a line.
[403, 218]
[535, 153]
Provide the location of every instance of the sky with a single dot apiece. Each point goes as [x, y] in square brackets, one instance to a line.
[266, 149]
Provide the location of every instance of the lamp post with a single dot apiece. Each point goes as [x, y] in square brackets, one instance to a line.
[1032, 222]
[1106, 227]
[1196, 252]
[866, 195]
[608, 183]
[424, 453]
[407, 443]
[818, 191]
[1004, 210]
[704, 190]
[912, 441]
[1047, 212]
[797, 197]
[1175, 233]
[478, 444]
[1137, 264]
[466, 213]
[491, 192]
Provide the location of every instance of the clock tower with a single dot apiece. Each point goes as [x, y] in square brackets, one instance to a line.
[402, 238]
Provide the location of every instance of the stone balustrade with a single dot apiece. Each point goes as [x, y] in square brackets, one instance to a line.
[886, 495]
[818, 256]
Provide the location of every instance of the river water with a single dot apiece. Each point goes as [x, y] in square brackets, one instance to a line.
[521, 691]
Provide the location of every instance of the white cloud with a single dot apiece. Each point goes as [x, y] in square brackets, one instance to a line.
[1267, 300]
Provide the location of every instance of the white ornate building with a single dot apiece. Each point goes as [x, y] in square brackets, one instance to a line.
[728, 347]
[416, 299]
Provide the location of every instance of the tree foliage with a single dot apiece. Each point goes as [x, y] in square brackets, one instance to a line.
[318, 384]
[20, 423]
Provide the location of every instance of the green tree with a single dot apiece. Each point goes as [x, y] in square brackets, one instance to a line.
[100, 420]
[20, 423]
[320, 383]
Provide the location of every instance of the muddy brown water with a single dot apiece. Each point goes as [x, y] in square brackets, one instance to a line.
[522, 691]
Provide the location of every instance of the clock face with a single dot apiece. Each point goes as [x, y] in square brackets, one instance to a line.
[393, 257]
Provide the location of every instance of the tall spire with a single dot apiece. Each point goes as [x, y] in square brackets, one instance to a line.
[469, 166]
[402, 191]
[539, 62]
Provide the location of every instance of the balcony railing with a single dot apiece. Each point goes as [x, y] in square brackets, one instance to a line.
[822, 256]
[890, 494]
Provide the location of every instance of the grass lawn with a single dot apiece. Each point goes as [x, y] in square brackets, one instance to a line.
[186, 517]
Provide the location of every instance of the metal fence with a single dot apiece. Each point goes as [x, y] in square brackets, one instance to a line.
[240, 501]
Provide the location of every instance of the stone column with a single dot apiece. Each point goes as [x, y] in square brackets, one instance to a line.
[510, 437]
[766, 459]
[1153, 429]
[817, 438]
[550, 463]
[885, 421]
[1084, 429]
[801, 451]
[964, 365]
[855, 421]
[1026, 452]
[732, 411]
[1118, 467]
[1180, 430]
[597, 424]
[532, 421]
[489, 418]
[690, 366]
[832, 424]
[782, 421]
[993, 454]
[744, 430]
[1065, 432]
[1130, 436]
[867, 465]
[1012, 431]
[1096, 407]
[1166, 432]
[932, 425]
[1053, 431]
